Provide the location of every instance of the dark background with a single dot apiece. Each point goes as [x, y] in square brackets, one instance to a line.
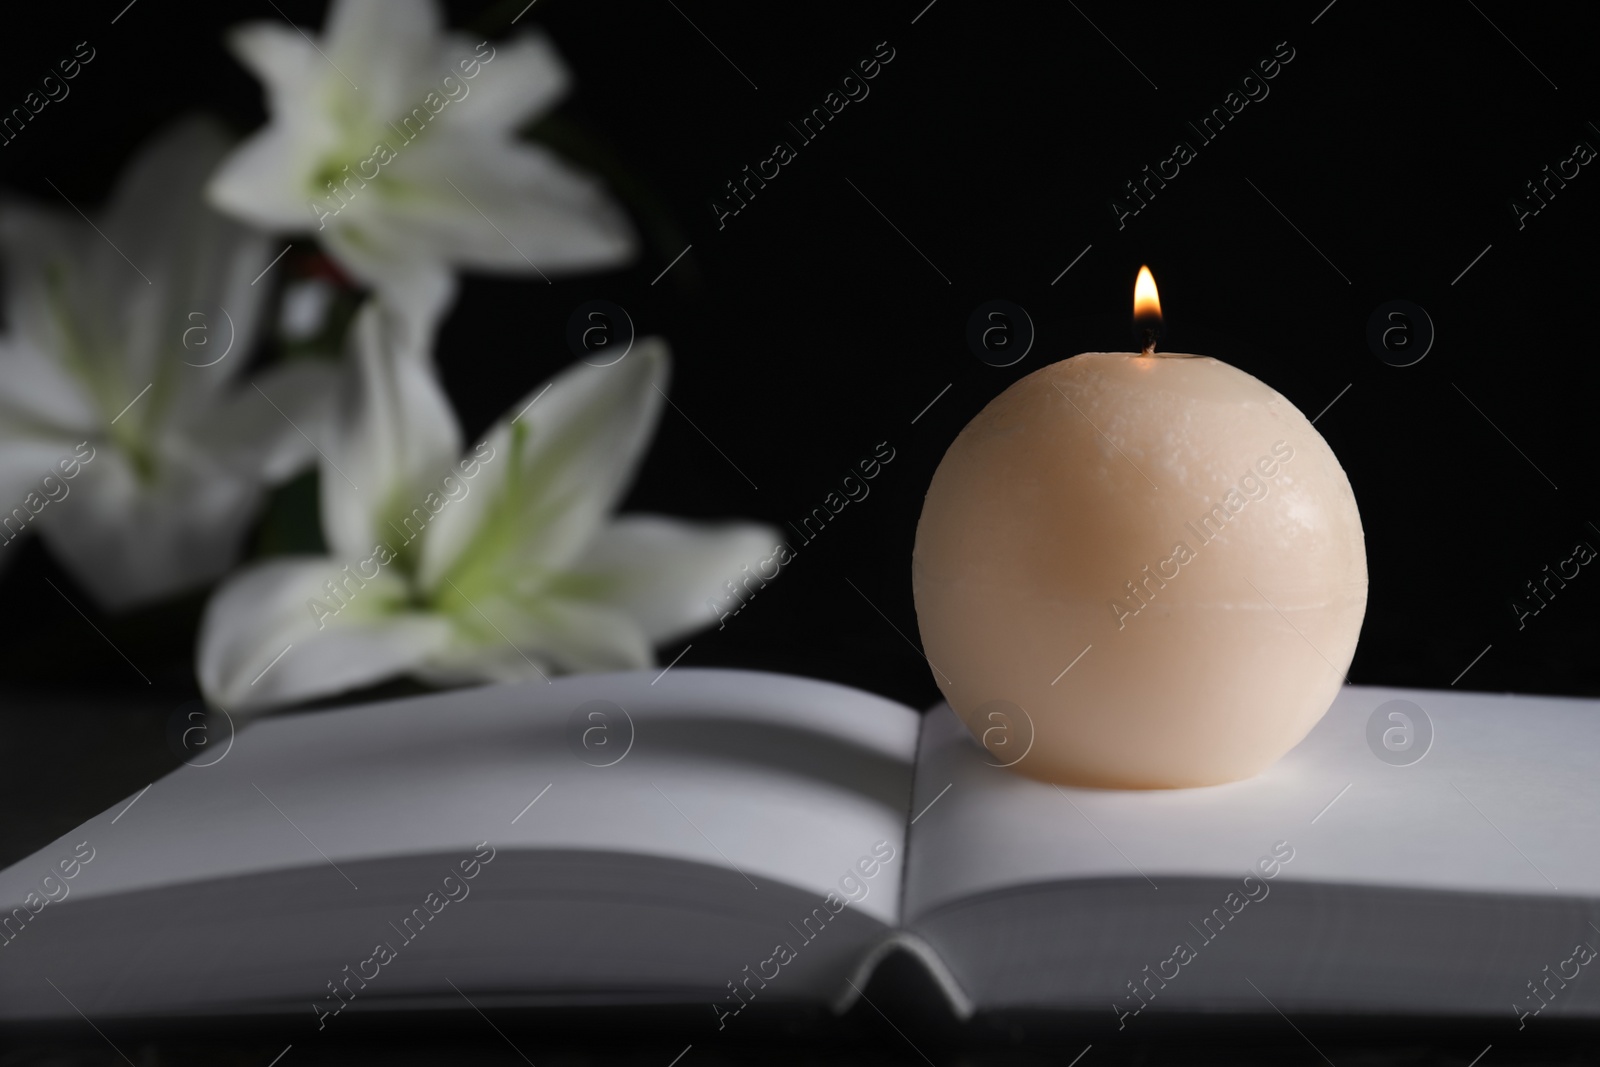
[808, 330]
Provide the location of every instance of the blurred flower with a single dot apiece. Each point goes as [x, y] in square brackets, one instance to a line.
[396, 144]
[304, 313]
[128, 333]
[502, 564]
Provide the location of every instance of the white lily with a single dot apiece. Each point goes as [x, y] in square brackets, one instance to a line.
[126, 337]
[395, 143]
[498, 565]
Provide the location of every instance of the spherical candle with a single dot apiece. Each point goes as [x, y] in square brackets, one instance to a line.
[1144, 571]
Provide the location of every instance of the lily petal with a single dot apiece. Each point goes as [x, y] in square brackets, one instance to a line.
[261, 183]
[400, 265]
[525, 78]
[186, 259]
[668, 574]
[499, 205]
[39, 396]
[387, 49]
[397, 440]
[559, 463]
[266, 181]
[44, 251]
[270, 428]
[265, 613]
[129, 540]
[25, 460]
[495, 640]
[285, 60]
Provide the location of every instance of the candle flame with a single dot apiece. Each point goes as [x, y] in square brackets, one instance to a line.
[1146, 301]
[1146, 311]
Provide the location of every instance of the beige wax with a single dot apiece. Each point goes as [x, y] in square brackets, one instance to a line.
[1181, 521]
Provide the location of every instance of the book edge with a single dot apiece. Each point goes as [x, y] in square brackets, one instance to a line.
[955, 996]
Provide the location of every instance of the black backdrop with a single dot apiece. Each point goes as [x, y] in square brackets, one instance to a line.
[827, 314]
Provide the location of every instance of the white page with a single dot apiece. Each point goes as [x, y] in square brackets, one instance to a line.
[440, 773]
[1506, 800]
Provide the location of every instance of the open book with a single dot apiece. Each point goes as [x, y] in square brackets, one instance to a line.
[727, 838]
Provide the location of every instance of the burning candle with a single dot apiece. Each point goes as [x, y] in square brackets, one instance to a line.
[1144, 570]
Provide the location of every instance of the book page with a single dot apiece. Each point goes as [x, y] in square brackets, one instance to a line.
[1504, 801]
[769, 777]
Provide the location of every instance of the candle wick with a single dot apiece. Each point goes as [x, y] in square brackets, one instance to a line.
[1149, 341]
